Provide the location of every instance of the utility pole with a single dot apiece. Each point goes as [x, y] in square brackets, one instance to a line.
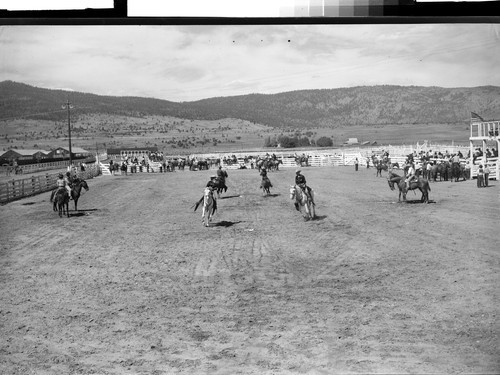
[68, 106]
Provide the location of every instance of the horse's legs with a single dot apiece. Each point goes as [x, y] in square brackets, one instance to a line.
[206, 216]
[312, 210]
[308, 213]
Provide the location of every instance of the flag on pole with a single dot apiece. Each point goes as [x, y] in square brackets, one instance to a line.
[475, 117]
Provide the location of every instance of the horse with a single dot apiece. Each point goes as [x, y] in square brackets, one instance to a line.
[274, 165]
[442, 169]
[219, 186]
[61, 201]
[209, 206]
[203, 165]
[265, 185]
[76, 190]
[380, 166]
[457, 171]
[303, 200]
[302, 161]
[422, 184]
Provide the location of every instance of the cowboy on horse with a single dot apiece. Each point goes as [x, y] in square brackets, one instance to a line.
[62, 183]
[211, 185]
[222, 175]
[300, 181]
[263, 174]
[410, 175]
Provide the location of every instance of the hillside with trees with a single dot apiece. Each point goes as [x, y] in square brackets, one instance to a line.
[332, 108]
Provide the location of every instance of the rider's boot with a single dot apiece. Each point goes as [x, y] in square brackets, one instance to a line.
[296, 206]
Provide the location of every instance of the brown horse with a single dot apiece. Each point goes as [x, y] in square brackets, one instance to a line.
[219, 186]
[380, 166]
[265, 185]
[421, 183]
[76, 190]
[61, 202]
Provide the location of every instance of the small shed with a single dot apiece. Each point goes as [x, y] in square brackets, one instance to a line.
[352, 141]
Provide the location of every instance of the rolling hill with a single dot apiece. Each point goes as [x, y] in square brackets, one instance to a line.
[328, 108]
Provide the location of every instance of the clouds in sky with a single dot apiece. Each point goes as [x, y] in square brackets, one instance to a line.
[183, 63]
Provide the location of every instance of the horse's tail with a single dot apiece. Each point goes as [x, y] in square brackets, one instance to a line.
[196, 205]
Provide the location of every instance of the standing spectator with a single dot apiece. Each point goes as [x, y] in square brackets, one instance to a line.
[486, 175]
[467, 169]
[367, 163]
[480, 176]
[428, 168]
[356, 164]
[123, 168]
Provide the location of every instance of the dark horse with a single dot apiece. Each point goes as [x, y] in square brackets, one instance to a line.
[380, 166]
[76, 189]
[422, 184]
[219, 186]
[61, 202]
[265, 185]
[457, 171]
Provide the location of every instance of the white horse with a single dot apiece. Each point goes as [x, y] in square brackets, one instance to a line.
[209, 206]
[303, 200]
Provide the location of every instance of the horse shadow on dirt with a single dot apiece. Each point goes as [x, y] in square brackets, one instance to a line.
[229, 197]
[272, 195]
[417, 201]
[319, 218]
[225, 224]
[82, 212]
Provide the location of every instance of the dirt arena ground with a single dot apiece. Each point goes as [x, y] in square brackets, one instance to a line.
[134, 284]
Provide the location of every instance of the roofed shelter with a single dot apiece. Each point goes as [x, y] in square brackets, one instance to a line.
[30, 155]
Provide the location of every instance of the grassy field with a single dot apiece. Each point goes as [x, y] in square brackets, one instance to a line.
[180, 136]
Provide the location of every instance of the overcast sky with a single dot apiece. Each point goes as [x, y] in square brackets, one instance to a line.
[184, 63]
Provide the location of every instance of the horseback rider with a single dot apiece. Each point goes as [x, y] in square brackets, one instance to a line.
[212, 183]
[62, 183]
[410, 175]
[300, 181]
[222, 175]
[263, 174]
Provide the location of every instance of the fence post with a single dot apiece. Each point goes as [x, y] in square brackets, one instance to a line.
[13, 188]
[33, 185]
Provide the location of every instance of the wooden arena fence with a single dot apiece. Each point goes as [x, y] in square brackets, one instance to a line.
[20, 188]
